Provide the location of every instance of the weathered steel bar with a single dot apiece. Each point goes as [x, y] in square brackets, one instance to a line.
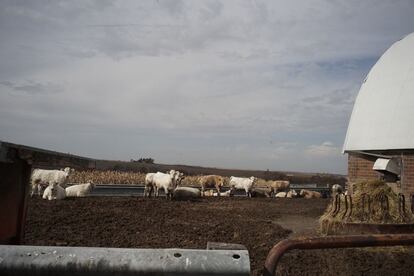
[350, 206]
[412, 203]
[14, 178]
[49, 260]
[337, 204]
[346, 206]
[276, 253]
[401, 205]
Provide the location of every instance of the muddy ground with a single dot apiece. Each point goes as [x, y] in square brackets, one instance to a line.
[158, 223]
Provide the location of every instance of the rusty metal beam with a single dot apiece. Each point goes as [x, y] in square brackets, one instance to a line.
[16, 162]
[276, 253]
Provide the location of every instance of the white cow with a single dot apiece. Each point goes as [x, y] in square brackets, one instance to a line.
[290, 194]
[79, 190]
[281, 194]
[54, 192]
[243, 184]
[164, 181]
[177, 177]
[148, 184]
[40, 179]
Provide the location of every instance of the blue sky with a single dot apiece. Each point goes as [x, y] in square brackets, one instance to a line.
[235, 84]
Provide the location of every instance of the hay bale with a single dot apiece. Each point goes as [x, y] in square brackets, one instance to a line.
[378, 192]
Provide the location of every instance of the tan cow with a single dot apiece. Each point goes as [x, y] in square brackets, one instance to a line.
[210, 182]
[310, 194]
[279, 186]
[209, 193]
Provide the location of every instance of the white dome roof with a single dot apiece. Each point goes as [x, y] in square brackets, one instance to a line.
[383, 114]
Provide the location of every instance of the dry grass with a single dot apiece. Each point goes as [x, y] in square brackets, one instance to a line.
[378, 191]
[107, 177]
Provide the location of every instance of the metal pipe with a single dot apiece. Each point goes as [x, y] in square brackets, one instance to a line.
[50, 260]
[372, 154]
[276, 253]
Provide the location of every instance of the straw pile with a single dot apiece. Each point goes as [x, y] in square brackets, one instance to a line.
[378, 213]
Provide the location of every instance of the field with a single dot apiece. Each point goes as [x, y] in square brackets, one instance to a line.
[158, 223]
[112, 172]
[132, 178]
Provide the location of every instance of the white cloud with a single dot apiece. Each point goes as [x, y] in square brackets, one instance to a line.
[326, 149]
[224, 83]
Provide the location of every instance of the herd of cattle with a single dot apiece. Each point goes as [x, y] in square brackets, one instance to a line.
[52, 184]
[170, 182]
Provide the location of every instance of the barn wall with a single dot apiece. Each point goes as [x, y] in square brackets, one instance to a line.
[360, 169]
[408, 174]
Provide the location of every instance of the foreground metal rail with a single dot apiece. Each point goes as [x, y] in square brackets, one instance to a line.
[276, 253]
[50, 260]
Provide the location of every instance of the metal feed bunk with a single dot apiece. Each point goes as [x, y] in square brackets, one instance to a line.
[218, 259]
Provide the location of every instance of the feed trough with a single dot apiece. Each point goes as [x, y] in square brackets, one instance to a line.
[374, 209]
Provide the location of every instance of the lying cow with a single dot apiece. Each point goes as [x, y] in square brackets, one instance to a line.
[227, 193]
[79, 190]
[211, 181]
[289, 194]
[261, 192]
[54, 192]
[208, 193]
[186, 193]
[242, 183]
[279, 186]
[310, 194]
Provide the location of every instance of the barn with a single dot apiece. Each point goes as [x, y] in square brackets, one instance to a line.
[380, 137]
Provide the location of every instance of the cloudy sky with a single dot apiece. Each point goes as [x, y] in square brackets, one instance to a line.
[234, 84]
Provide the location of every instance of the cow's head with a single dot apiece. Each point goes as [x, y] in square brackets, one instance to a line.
[179, 177]
[293, 193]
[91, 184]
[53, 188]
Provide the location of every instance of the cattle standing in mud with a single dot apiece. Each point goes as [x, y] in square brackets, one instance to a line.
[243, 183]
[211, 181]
[279, 186]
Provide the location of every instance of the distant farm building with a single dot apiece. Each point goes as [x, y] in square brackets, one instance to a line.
[380, 137]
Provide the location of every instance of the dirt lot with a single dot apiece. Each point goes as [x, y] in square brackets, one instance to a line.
[158, 223]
